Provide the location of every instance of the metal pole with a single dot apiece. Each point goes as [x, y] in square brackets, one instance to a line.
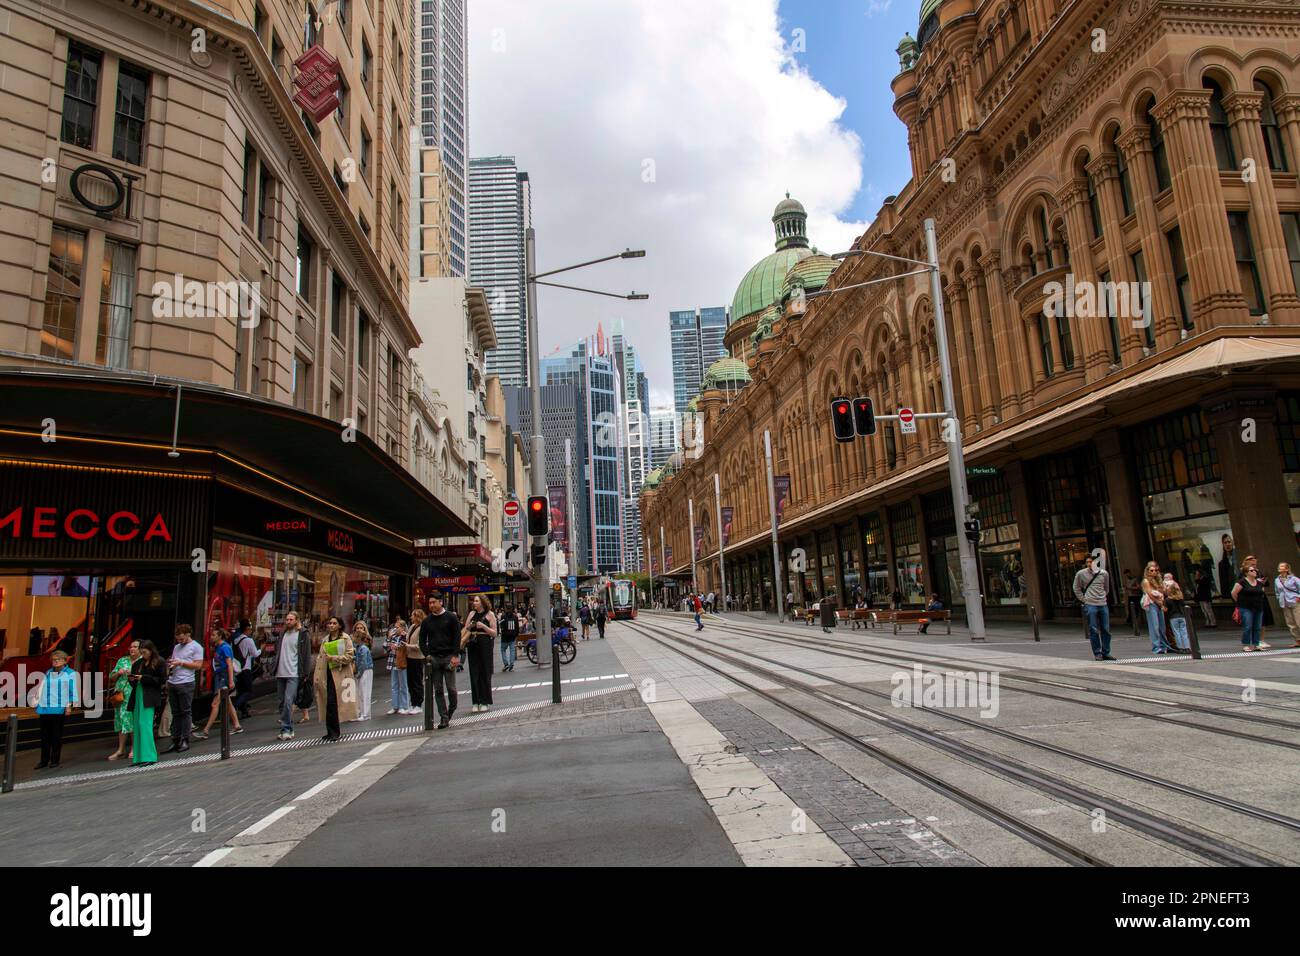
[722, 560]
[11, 752]
[776, 547]
[223, 701]
[663, 560]
[428, 694]
[690, 507]
[570, 530]
[537, 466]
[970, 586]
[650, 566]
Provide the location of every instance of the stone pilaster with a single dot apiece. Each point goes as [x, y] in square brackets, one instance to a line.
[1008, 332]
[1165, 313]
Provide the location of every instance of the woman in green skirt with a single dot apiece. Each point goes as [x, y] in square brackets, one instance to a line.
[121, 676]
[148, 675]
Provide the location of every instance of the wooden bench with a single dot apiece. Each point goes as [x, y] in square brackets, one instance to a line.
[908, 617]
[859, 617]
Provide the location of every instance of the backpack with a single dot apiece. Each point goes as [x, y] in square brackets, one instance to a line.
[247, 662]
[509, 627]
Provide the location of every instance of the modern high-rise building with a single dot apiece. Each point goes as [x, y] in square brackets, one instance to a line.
[443, 98]
[663, 436]
[635, 457]
[500, 207]
[697, 342]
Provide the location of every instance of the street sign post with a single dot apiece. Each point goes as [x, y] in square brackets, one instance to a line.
[907, 421]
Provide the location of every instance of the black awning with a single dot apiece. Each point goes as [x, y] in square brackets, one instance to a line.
[260, 444]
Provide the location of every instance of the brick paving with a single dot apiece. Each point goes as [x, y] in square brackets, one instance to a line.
[870, 829]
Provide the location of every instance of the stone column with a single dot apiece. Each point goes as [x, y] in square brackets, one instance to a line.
[962, 354]
[986, 360]
[1287, 109]
[1166, 317]
[1073, 200]
[1031, 546]
[1184, 115]
[1008, 338]
[1105, 172]
[1125, 505]
[1283, 305]
[1251, 468]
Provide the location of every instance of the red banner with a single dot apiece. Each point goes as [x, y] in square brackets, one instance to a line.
[316, 83]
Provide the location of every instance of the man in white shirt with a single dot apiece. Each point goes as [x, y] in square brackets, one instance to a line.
[293, 651]
[186, 660]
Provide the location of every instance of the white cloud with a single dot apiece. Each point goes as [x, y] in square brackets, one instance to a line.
[586, 91]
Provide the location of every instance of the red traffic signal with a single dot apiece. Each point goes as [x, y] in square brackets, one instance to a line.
[539, 516]
[864, 416]
[842, 419]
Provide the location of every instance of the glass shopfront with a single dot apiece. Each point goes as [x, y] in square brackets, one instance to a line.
[1075, 517]
[945, 559]
[1182, 494]
[1002, 572]
[1288, 438]
[877, 560]
[907, 553]
[850, 563]
[826, 558]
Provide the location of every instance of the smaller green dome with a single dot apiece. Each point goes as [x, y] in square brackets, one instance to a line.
[727, 373]
[652, 480]
[788, 205]
[928, 7]
[812, 272]
[693, 405]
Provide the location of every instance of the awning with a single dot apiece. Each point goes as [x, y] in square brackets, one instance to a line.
[1223, 355]
[263, 446]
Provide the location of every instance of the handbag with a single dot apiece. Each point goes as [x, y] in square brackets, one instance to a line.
[399, 659]
[306, 695]
[1236, 615]
[116, 698]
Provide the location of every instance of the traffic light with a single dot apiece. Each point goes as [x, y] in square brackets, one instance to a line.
[842, 418]
[538, 554]
[864, 416]
[972, 528]
[539, 516]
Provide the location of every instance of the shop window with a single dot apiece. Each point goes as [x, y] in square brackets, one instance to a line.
[1074, 517]
[1288, 436]
[1220, 133]
[1274, 144]
[116, 305]
[63, 292]
[129, 114]
[1002, 571]
[875, 557]
[1182, 278]
[80, 95]
[1247, 269]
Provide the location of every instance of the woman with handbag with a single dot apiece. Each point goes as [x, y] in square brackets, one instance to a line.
[1153, 605]
[1249, 594]
[478, 637]
[120, 700]
[334, 679]
[396, 647]
[147, 679]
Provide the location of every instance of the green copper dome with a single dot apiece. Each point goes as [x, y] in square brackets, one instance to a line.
[812, 271]
[693, 405]
[727, 373]
[762, 284]
[652, 480]
[928, 7]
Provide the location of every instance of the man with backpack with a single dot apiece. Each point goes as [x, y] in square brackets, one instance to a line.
[601, 616]
[509, 631]
[246, 657]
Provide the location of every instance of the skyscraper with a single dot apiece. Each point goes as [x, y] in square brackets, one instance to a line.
[663, 437]
[500, 210]
[443, 100]
[635, 458]
[697, 342]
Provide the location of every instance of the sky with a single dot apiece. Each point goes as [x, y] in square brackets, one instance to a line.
[676, 126]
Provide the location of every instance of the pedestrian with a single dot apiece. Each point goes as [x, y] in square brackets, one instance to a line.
[1153, 605]
[121, 678]
[439, 638]
[896, 600]
[601, 616]
[697, 605]
[712, 603]
[789, 604]
[509, 637]
[1205, 596]
[334, 679]
[584, 616]
[934, 604]
[397, 648]
[54, 701]
[1286, 587]
[292, 667]
[414, 666]
[477, 637]
[1175, 614]
[246, 657]
[365, 668]
[148, 678]
[1133, 595]
[185, 662]
[223, 678]
[1249, 594]
[306, 686]
[1092, 591]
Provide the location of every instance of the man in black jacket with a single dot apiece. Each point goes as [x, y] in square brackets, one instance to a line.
[440, 642]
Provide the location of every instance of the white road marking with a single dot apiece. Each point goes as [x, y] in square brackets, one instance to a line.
[378, 750]
[215, 855]
[266, 821]
[314, 790]
[350, 767]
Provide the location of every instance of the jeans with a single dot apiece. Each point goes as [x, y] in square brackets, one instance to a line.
[181, 698]
[443, 675]
[1179, 626]
[698, 626]
[288, 690]
[365, 688]
[401, 692]
[1251, 624]
[1156, 629]
[508, 652]
[1098, 628]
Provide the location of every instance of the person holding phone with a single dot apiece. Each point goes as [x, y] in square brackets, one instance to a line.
[185, 662]
[439, 638]
[478, 637]
[148, 677]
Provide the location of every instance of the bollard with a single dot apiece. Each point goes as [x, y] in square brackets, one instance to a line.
[555, 675]
[1193, 637]
[1033, 617]
[223, 701]
[11, 752]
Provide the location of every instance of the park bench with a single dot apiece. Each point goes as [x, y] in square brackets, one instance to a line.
[907, 617]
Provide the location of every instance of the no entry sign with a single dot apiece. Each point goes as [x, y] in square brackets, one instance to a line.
[907, 418]
[511, 508]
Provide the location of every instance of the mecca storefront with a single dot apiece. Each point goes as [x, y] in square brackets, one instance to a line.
[106, 537]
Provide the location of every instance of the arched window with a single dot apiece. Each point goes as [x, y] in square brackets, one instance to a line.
[1274, 145]
[1094, 205]
[1159, 157]
[1219, 132]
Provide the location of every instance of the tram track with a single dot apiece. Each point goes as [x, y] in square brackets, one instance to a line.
[1185, 838]
[895, 658]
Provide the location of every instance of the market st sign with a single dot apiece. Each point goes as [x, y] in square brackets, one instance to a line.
[80, 524]
[317, 83]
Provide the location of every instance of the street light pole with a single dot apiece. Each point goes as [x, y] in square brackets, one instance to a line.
[537, 466]
[771, 507]
[663, 561]
[970, 587]
[722, 560]
[690, 507]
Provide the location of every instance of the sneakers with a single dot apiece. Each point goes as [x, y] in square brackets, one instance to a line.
[1247, 648]
[1261, 646]
[285, 735]
[476, 708]
[391, 711]
[199, 735]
